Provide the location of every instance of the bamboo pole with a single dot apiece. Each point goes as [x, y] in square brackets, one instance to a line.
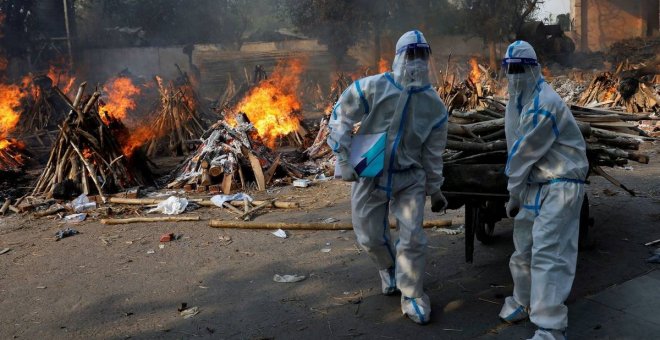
[113, 221]
[202, 202]
[306, 226]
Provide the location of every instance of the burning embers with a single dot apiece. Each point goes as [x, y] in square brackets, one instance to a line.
[273, 105]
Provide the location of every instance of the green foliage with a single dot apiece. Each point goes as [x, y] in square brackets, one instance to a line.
[340, 24]
[496, 20]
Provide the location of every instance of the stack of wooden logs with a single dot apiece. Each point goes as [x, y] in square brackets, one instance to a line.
[230, 156]
[86, 157]
[612, 138]
[177, 124]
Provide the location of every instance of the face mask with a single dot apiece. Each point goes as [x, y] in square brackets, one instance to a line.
[417, 70]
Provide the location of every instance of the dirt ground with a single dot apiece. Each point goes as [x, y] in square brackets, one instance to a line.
[104, 283]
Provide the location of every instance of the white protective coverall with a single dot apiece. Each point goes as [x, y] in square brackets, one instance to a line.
[546, 166]
[407, 108]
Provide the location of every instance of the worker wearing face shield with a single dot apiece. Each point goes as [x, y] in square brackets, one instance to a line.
[546, 166]
[395, 161]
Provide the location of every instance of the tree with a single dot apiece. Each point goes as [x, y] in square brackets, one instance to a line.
[496, 20]
[340, 24]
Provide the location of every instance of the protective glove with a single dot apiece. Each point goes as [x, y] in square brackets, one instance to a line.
[348, 173]
[438, 202]
[512, 207]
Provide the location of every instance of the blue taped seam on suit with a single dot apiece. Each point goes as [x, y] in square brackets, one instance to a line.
[362, 98]
[391, 80]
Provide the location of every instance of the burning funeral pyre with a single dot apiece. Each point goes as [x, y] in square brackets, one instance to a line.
[238, 149]
[86, 157]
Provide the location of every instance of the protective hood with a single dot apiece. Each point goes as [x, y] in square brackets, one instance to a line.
[523, 74]
[411, 61]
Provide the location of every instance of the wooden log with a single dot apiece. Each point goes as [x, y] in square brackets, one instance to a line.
[30, 207]
[215, 171]
[476, 147]
[618, 153]
[50, 211]
[306, 226]
[226, 184]
[113, 221]
[5, 206]
[205, 178]
[271, 170]
[79, 94]
[91, 102]
[600, 172]
[247, 215]
[258, 172]
[205, 203]
[90, 169]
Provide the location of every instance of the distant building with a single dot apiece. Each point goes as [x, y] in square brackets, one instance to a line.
[599, 23]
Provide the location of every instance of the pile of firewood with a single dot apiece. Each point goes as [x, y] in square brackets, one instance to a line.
[86, 157]
[177, 124]
[625, 88]
[477, 137]
[229, 157]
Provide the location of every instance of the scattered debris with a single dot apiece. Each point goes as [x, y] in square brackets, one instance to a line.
[652, 242]
[75, 218]
[167, 237]
[288, 278]
[326, 250]
[225, 240]
[151, 251]
[330, 220]
[450, 231]
[301, 183]
[171, 206]
[5, 250]
[189, 312]
[65, 233]
[280, 233]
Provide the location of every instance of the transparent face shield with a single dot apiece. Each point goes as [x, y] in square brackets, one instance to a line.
[522, 76]
[418, 64]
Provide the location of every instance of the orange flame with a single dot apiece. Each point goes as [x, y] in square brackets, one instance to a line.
[272, 105]
[61, 78]
[120, 100]
[138, 137]
[383, 65]
[546, 72]
[475, 72]
[10, 103]
[610, 94]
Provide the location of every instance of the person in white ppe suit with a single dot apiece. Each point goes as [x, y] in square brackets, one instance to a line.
[547, 166]
[409, 122]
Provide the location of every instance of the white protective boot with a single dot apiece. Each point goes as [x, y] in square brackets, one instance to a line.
[512, 311]
[417, 309]
[549, 334]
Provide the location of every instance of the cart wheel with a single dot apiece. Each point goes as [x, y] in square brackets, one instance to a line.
[585, 223]
[486, 222]
[484, 232]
